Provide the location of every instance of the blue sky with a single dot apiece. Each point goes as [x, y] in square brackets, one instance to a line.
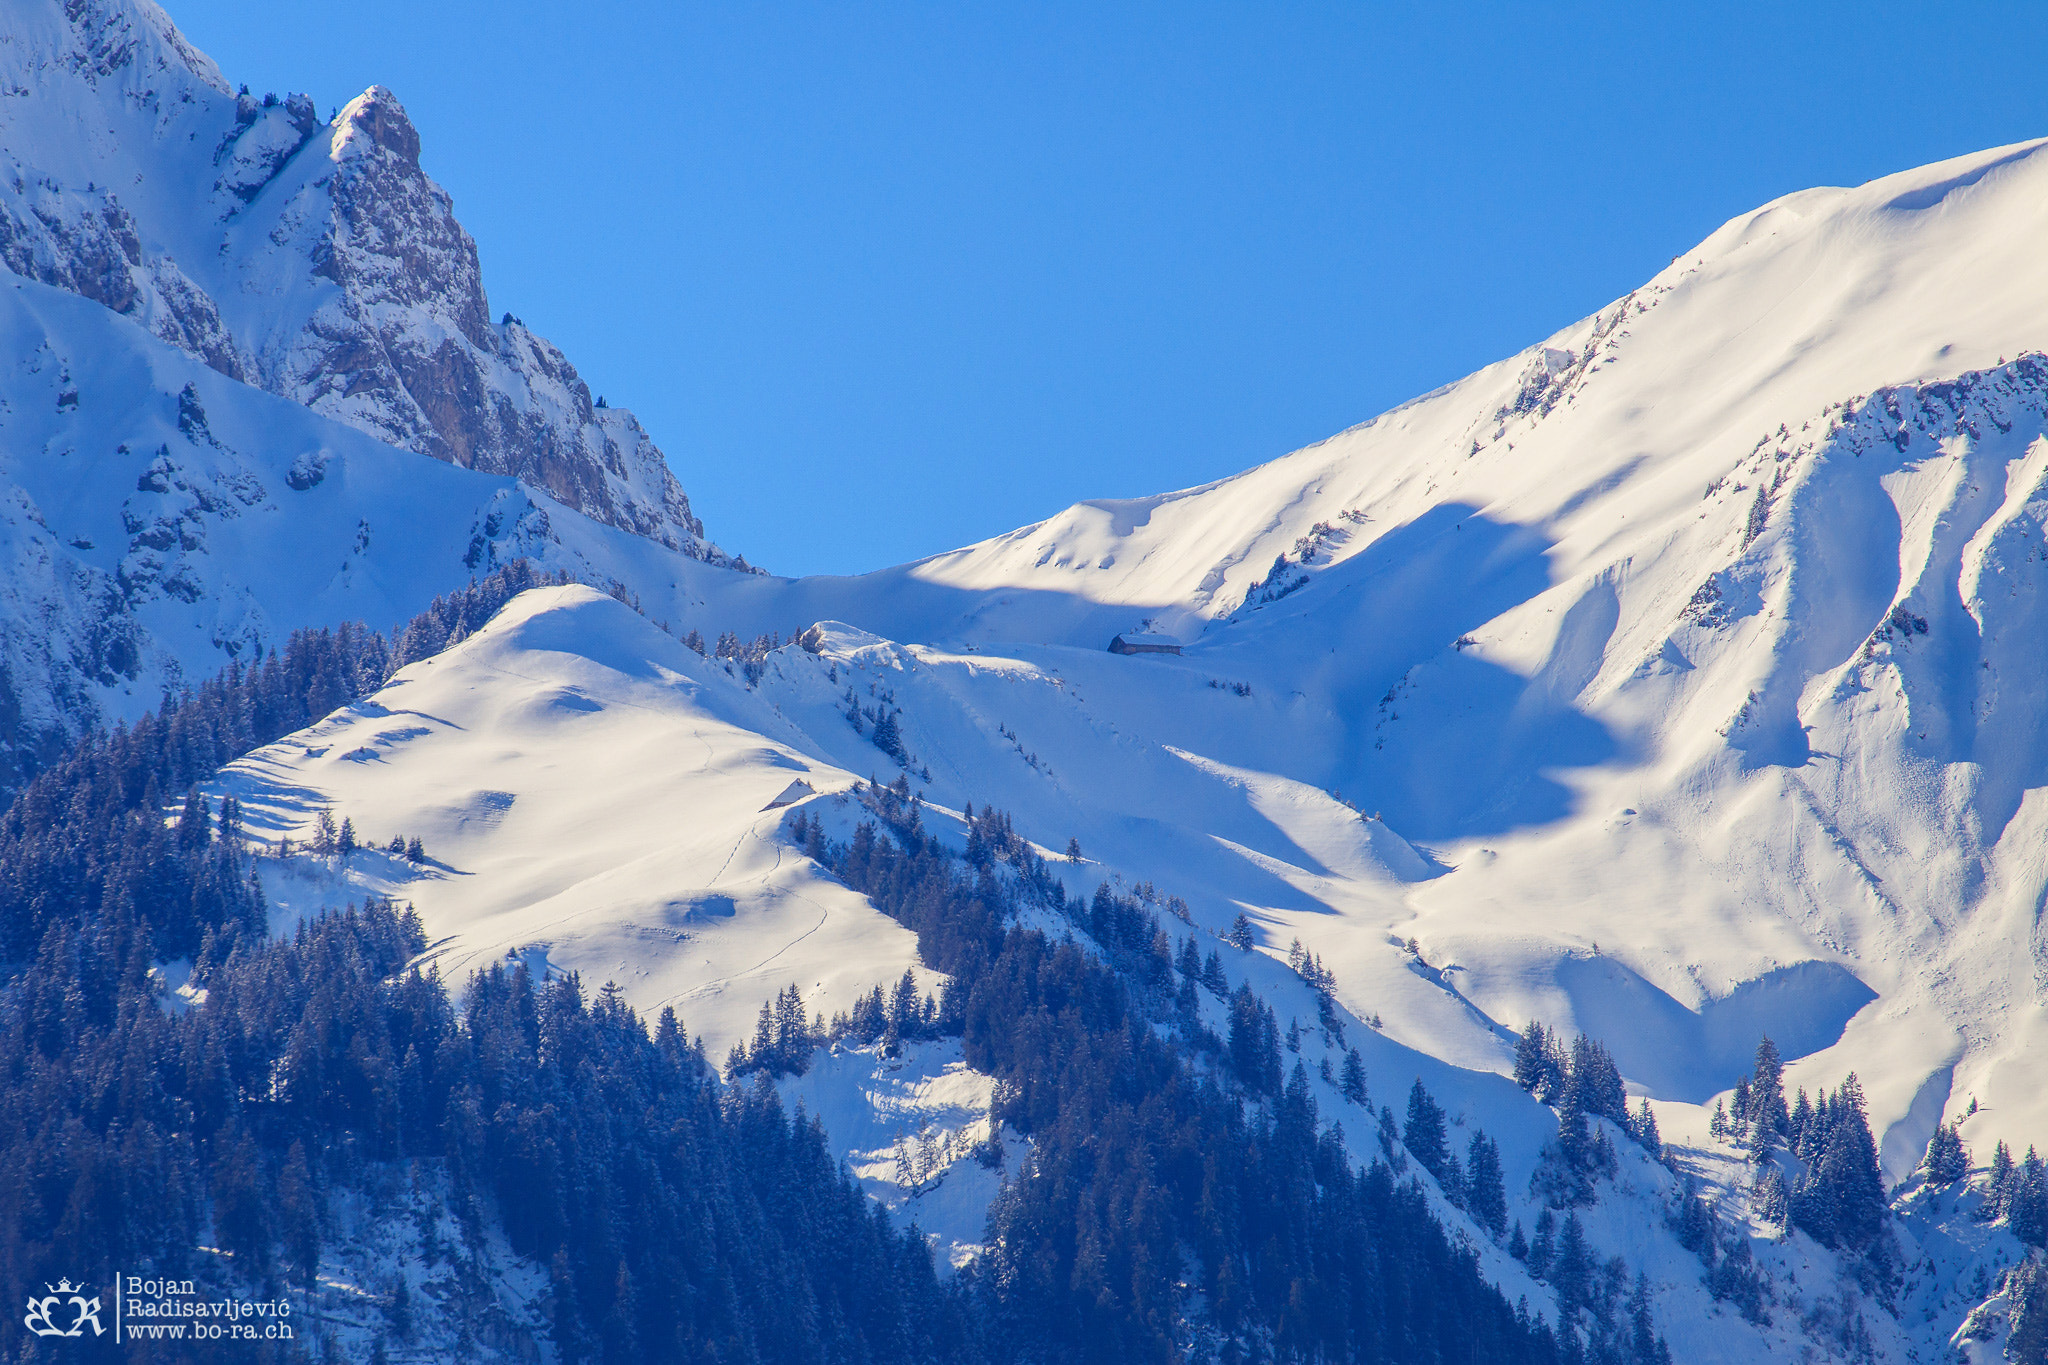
[883, 279]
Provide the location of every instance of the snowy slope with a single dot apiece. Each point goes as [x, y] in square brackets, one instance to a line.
[1672, 681]
[587, 788]
[158, 520]
[591, 797]
[590, 794]
[1694, 645]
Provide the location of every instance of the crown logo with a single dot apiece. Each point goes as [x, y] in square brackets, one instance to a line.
[84, 1310]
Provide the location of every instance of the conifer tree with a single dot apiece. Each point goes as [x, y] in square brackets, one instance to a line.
[195, 826]
[1766, 1114]
[2026, 1210]
[1424, 1134]
[2026, 1290]
[1999, 1189]
[1532, 1052]
[1572, 1266]
[1947, 1160]
[1543, 1246]
[1642, 1126]
[1486, 1193]
[1839, 1200]
[1597, 1080]
[887, 735]
[298, 1211]
[1354, 1078]
[1241, 936]
[1772, 1200]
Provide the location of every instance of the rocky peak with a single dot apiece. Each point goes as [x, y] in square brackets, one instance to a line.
[377, 118]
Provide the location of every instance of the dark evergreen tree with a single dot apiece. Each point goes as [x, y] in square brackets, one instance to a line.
[298, 1210]
[1772, 1198]
[1839, 1199]
[888, 736]
[1541, 1062]
[1571, 1266]
[1486, 1193]
[1597, 1081]
[1532, 1055]
[1947, 1160]
[1254, 1043]
[2026, 1291]
[1642, 1126]
[1734, 1277]
[1424, 1134]
[1241, 936]
[1543, 1246]
[1354, 1079]
[1765, 1114]
[2026, 1205]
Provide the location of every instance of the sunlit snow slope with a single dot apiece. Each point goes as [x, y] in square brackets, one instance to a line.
[591, 792]
[1696, 646]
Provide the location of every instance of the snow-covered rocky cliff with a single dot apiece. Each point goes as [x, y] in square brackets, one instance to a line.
[310, 257]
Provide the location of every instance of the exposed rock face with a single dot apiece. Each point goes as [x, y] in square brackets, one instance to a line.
[315, 260]
[403, 345]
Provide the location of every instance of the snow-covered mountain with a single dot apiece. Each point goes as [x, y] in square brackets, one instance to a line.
[1694, 649]
[311, 258]
[1675, 681]
[290, 256]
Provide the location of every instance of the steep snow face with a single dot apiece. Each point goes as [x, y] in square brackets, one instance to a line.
[315, 260]
[1691, 648]
[159, 520]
